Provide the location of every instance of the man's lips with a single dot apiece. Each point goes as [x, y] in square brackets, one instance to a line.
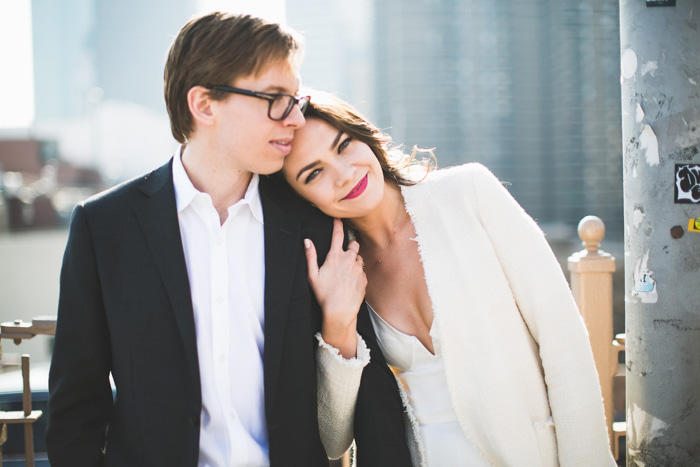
[284, 145]
[359, 189]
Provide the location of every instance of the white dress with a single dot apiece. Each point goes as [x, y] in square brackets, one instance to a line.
[423, 377]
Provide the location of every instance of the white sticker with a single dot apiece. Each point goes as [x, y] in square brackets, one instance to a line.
[650, 144]
[629, 63]
[644, 284]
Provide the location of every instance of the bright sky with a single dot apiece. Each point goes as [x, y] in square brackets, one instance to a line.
[16, 65]
[272, 10]
[16, 75]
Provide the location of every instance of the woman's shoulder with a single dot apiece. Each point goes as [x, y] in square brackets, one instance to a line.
[450, 183]
[459, 173]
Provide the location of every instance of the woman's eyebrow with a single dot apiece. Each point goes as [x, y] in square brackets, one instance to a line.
[337, 138]
[307, 167]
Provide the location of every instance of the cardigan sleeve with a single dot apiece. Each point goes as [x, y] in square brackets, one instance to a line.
[338, 385]
[545, 302]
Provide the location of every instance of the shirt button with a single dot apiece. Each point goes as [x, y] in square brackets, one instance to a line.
[219, 241]
[220, 300]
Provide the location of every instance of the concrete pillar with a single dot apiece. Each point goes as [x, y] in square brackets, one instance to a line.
[660, 76]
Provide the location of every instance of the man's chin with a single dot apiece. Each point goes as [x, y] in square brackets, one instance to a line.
[270, 169]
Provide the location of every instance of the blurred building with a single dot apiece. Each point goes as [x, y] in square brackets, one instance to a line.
[530, 89]
[86, 51]
[37, 189]
[339, 47]
[99, 80]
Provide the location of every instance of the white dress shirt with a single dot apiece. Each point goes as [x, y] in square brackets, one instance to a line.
[226, 269]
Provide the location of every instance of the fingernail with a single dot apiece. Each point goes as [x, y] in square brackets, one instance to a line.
[307, 243]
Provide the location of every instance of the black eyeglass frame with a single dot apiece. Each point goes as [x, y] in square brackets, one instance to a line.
[302, 102]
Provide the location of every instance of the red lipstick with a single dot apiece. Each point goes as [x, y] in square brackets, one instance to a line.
[359, 189]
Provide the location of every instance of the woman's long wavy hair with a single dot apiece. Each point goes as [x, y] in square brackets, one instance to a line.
[397, 166]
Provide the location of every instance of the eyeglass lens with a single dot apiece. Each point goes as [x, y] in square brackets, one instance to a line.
[282, 106]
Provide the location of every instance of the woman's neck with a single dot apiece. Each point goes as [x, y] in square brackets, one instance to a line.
[376, 228]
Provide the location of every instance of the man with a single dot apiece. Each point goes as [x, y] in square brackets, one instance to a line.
[189, 285]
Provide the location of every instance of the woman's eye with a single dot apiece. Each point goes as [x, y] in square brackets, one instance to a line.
[344, 144]
[312, 175]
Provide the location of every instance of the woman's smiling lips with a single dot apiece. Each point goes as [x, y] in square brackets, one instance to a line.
[358, 190]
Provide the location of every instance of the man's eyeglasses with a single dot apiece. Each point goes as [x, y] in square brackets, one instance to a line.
[280, 105]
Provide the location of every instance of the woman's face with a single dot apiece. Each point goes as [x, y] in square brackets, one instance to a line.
[338, 174]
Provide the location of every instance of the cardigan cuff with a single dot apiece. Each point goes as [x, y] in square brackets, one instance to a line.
[331, 360]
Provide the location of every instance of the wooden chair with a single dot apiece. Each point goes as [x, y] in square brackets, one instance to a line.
[17, 331]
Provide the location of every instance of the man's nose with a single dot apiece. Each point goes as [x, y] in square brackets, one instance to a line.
[295, 118]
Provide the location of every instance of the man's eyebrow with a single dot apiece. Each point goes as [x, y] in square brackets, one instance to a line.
[337, 138]
[307, 167]
[277, 90]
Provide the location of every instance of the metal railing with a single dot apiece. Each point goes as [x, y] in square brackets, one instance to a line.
[18, 331]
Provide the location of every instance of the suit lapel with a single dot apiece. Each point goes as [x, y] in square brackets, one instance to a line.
[366, 330]
[282, 243]
[157, 216]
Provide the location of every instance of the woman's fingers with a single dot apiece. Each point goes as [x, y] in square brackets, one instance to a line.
[337, 236]
[339, 283]
[354, 247]
[311, 261]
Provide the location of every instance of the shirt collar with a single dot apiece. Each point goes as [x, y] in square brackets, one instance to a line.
[185, 191]
[252, 197]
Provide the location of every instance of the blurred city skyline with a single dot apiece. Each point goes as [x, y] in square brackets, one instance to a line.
[41, 99]
[530, 90]
[17, 101]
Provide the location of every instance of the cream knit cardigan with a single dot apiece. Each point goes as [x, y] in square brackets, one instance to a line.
[517, 357]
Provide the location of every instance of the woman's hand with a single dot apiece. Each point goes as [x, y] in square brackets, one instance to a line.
[339, 286]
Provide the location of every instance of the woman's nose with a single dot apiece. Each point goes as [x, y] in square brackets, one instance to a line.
[345, 174]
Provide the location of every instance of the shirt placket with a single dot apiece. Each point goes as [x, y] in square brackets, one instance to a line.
[221, 322]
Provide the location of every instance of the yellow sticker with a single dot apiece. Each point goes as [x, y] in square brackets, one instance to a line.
[694, 225]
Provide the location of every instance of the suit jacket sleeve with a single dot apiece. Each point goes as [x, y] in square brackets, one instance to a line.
[550, 312]
[80, 396]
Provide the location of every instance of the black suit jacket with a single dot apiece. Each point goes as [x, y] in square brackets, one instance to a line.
[379, 428]
[125, 308]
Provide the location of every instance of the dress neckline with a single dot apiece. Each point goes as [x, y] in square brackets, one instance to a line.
[407, 336]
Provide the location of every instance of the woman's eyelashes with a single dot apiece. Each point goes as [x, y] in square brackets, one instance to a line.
[341, 147]
[312, 175]
[344, 144]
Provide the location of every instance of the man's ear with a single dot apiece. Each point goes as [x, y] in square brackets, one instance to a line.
[200, 104]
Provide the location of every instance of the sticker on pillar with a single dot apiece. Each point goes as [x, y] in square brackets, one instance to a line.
[694, 225]
[687, 186]
[644, 284]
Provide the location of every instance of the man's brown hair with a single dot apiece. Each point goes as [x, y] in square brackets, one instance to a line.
[216, 49]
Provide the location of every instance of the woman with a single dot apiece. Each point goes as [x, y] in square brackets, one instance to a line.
[469, 306]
